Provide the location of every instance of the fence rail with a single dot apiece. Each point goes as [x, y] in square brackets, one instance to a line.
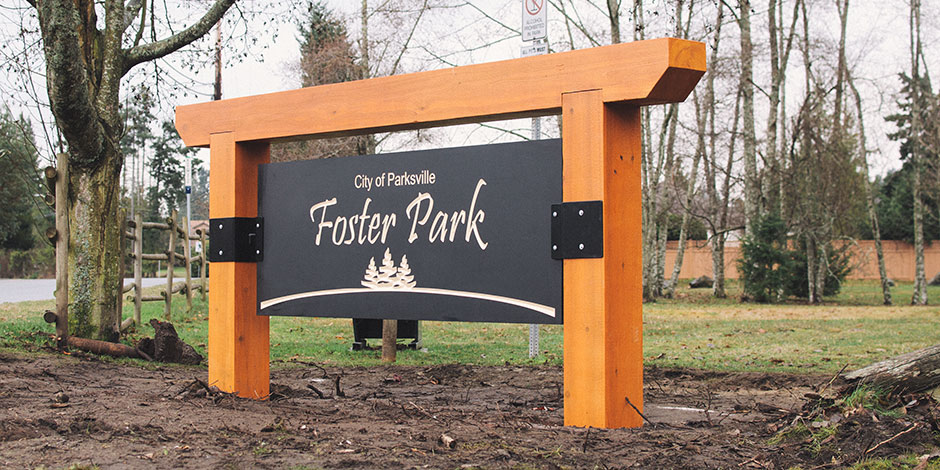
[177, 235]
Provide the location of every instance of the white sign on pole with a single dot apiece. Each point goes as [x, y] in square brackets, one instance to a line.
[536, 48]
[534, 19]
[188, 174]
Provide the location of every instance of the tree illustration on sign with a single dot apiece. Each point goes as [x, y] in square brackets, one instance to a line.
[388, 276]
[405, 278]
[372, 275]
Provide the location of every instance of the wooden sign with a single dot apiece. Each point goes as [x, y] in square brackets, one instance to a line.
[460, 234]
[598, 92]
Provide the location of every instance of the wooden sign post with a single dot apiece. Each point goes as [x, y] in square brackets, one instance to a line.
[597, 91]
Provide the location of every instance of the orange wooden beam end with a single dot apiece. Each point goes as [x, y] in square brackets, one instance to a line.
[603, 305]
[642, 73]
[239, 357]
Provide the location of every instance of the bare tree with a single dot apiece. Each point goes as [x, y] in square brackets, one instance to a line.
[85, 59]
[917, 56]
[869, 194]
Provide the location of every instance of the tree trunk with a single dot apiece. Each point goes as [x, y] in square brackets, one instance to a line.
[94, 250]
[916, 151]
[920, 276]
[914, 372]
[869, 195]
[811, 270]
[751, 178]
[718, 266]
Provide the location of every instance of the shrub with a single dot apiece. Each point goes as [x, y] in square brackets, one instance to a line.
[764, 264]
[839, 267]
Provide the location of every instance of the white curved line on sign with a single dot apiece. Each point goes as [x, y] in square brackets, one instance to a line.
[543, 309]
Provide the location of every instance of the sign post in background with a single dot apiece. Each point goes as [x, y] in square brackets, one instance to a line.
[534, 19]
[535, 29]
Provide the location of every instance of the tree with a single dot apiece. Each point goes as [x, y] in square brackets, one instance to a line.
[86, 58]
[326, 56]
[752, 206]
[918, 135]
[166, 168]
[918, 128]
[896, 207]
[138, 116]
[19, 183]
[764, 259]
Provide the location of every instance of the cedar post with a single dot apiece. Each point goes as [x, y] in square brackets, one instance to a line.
[603, 343]
[238, 338]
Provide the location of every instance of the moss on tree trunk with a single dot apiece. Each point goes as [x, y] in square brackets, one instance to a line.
[94, 252]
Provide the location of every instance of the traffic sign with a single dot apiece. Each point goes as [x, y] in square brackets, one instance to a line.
[534, 19]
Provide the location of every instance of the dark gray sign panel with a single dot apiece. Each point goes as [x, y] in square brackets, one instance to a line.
[461, 234]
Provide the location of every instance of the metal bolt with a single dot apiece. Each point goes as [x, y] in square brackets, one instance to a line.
[554, 247]
[581, 246]
[220, 226]
[220, 252]
[581, 212]
[257, 252]
[257, 225]
[554, 214]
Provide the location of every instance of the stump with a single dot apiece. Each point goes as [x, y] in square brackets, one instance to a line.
[914, 372]
[166, 345]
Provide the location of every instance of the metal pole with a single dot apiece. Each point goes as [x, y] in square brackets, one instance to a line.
[534, 328]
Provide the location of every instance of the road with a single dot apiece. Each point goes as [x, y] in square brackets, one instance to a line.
[19, 290]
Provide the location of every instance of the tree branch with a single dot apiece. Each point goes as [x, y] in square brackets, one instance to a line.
[155, 50]
[69, 91]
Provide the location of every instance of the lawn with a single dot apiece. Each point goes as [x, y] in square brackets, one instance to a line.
[691, 330]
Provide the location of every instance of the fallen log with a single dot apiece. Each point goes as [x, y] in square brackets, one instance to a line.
[914, 372]
[102, 347]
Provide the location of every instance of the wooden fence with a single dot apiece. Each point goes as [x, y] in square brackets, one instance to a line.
[899, 259]
[177, 235]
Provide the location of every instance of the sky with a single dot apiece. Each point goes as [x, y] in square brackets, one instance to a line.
[877, 44]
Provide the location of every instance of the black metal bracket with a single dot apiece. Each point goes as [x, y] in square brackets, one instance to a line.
[239, 239]
[578, 230]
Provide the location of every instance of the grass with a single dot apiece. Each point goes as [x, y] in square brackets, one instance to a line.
[904, 462]
[692, 330]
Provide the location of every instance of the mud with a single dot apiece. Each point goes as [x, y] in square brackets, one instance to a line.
[57, 411]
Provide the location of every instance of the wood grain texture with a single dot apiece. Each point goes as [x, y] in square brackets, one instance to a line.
[239, 344]
[603, 340]
[641, 73]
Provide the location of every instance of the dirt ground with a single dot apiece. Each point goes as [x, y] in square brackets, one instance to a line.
[58, 411]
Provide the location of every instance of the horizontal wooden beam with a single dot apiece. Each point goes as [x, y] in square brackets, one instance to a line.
[640, 73]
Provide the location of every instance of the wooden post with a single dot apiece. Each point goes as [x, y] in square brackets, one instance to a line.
[238, 338]
[122, 215]
[603, 341]
[203, 273]
[389, 340]
[170, 255]
[188, 263]
[62, 251]
[138, 266]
